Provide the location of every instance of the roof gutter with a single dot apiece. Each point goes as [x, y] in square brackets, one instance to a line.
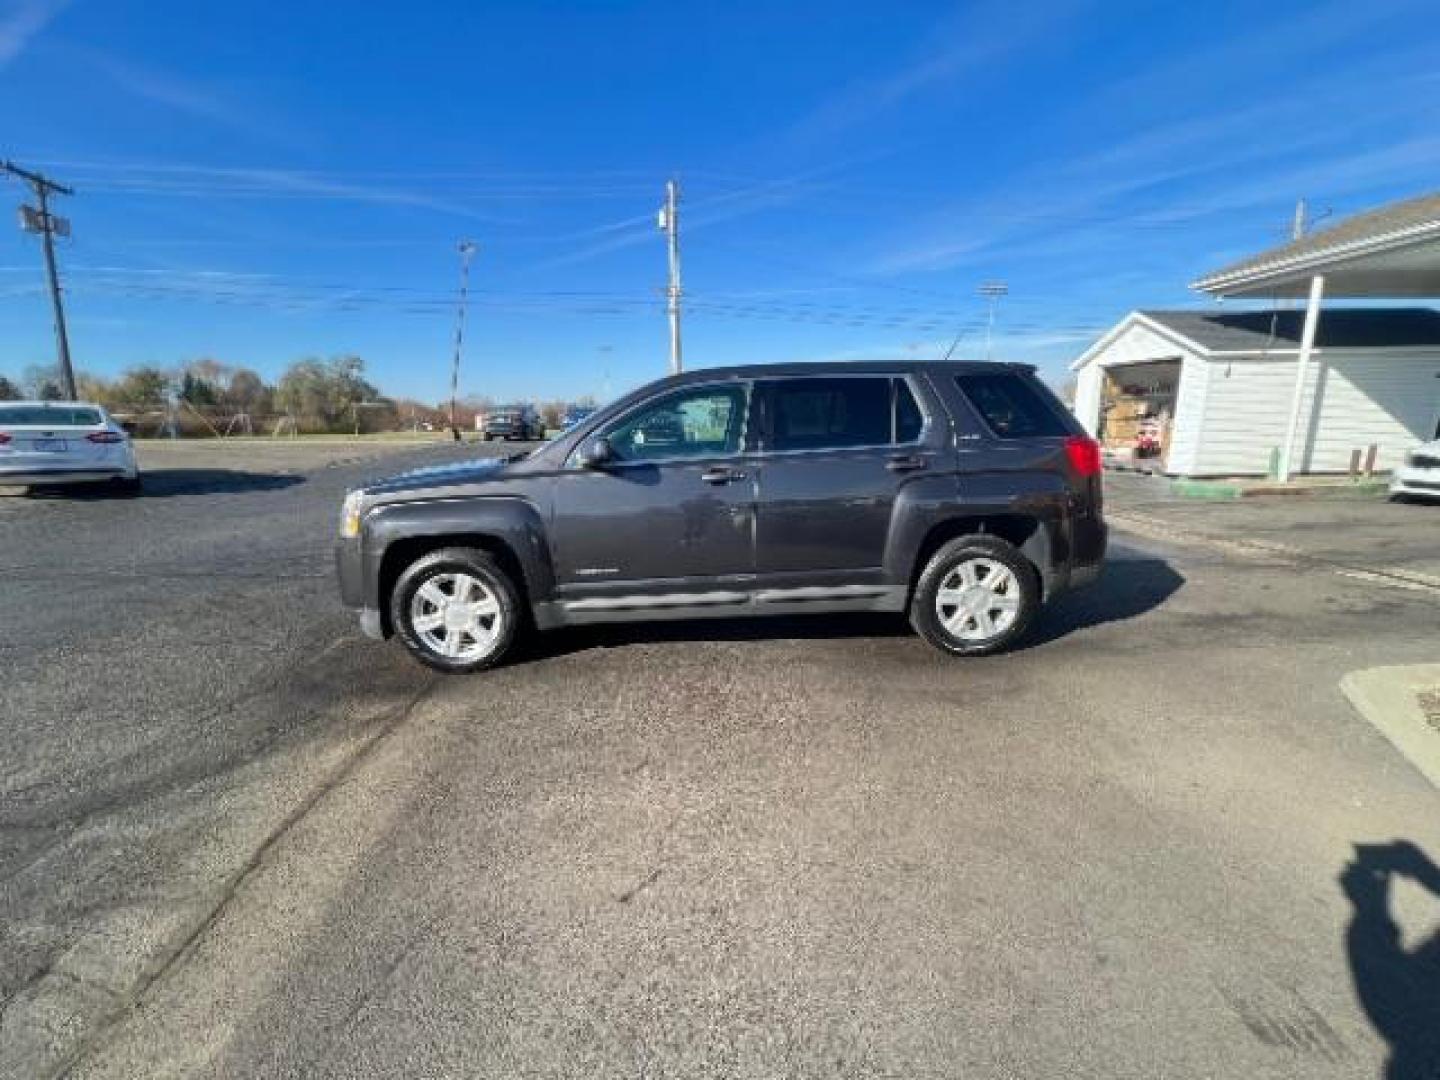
[1314, 261]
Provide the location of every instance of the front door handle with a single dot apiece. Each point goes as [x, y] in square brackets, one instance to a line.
[906, 463]
[721, 475]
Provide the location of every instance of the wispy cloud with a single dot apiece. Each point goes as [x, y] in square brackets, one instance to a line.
[962, 45]
[192, 97]
[1183, 170]
[701, 214]
[218, 182]
[21, 21]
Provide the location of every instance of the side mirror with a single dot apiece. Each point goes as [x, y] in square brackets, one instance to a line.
[597, 453]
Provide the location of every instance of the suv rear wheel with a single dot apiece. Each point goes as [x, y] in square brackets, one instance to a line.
[977, 595]
[455, 610]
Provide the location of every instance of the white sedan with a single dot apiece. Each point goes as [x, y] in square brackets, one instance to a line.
[64, 442]
[1420, 474]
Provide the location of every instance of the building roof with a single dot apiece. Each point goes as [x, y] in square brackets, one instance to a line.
[1338, 328]
[1390, 251]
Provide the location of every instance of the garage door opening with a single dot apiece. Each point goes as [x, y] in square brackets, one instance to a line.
[1137, 412]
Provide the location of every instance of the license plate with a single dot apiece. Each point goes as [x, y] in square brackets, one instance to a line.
[50, 446]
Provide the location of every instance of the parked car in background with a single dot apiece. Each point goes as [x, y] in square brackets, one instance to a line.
[64, 442]
[576, 415]
[514, 422]
[1420, 473]
[963, 494]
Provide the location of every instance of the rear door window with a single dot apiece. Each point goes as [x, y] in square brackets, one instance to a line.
[840, 413]
[1012, 406]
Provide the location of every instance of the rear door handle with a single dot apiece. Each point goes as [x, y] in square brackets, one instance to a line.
[906, 463]
[721, 475]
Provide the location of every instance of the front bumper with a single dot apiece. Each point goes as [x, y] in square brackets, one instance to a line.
[1416, 480]
[351, 576]
[372, 624]
[1413, 480]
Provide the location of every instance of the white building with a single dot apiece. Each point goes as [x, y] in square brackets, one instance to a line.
[1287, 388]
[1218, 387]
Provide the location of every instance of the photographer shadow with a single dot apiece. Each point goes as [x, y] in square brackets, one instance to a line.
[1398, 988]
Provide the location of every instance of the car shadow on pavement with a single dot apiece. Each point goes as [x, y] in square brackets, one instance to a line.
[1398, 987]
[164, 483]
[1125, 590]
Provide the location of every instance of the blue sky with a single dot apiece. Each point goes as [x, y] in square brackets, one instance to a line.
[259, 182]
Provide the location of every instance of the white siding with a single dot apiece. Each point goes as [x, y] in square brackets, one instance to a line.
[1386, 399]
[1189, 417]
[1137, 344]
[1087, 396]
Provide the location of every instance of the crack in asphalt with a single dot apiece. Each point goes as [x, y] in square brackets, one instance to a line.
[227, 892]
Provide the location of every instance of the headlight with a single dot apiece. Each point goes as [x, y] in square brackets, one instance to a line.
[350, 514]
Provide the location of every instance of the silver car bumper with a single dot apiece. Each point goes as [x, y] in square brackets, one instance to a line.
[1412, 480]
[60, 476]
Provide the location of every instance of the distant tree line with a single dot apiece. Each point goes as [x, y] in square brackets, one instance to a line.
[207, 396]
[317, 395]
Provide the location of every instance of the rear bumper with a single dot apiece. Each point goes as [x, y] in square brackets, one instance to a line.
[1089, 538]
[22, 478]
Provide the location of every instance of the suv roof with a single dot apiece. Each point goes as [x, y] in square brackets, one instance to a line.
[841, 367]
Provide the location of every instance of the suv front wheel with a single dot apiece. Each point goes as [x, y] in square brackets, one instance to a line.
[977, 595]
[455, 610]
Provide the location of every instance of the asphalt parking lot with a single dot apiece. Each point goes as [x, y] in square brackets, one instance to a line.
[239, 839]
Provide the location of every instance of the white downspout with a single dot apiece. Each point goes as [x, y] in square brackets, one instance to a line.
[1302, 366]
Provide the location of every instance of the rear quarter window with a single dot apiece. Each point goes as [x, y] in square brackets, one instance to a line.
[1012, 406]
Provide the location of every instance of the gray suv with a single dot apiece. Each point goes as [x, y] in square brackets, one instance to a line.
[963, 494]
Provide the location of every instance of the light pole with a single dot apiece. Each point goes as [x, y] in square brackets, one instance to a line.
[467, 252]
[992, 291]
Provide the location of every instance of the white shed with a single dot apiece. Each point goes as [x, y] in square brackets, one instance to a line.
[1207, 392]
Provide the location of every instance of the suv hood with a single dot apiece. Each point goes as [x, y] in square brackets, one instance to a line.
[440, 476]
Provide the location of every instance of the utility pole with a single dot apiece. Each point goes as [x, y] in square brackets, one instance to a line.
[670, 225]
[39, 219]
[1297, 229]
[467, 251]
[992, 291]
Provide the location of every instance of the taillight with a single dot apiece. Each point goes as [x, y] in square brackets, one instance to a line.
[105, 437]
[1084, 455]
[5, 437]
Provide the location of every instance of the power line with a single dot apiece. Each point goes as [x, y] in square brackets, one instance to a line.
[40, 219]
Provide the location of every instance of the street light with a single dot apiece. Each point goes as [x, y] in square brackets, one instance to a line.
[992, 291]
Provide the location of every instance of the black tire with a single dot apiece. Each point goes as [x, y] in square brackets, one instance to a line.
[127, 486]
[925, 618]
[477, 564]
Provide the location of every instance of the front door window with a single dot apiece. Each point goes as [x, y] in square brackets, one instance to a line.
[703, 422]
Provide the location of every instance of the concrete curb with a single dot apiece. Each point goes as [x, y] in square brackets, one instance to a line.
[1389, 697]
[1225, 489]
[1201, 489]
